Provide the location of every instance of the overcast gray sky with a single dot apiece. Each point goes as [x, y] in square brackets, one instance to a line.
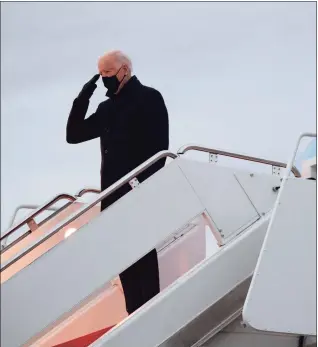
[236, 76]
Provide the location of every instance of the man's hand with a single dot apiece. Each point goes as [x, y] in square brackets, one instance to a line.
[89, 88]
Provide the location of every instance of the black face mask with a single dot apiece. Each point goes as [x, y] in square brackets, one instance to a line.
[112, 84]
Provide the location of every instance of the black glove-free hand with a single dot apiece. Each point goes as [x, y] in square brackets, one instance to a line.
[89, 88]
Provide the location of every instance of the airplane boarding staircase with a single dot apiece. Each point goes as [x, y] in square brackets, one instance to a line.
[59, 281]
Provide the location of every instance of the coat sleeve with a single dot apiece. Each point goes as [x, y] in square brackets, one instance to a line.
[78, 128]
[155, 132]
[156, 123]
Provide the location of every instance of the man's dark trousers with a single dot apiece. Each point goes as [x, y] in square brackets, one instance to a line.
[141, 280]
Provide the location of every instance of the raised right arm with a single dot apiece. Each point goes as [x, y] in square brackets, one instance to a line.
[78, 128]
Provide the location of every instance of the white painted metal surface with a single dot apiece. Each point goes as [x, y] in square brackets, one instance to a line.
[43, 230]
[31, 238]
[309, 168]
[310, 341]
[182, 254]
[282, 296]
[236, 335]
[259, 189]
[76, 269]
[61, 279]
[222, 195]
[162, 317]
[108, 308]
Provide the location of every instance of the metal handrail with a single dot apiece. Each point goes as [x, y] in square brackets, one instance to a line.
[187, 148]
[27, 207]
[78, 195]
[29, 220]
[5, 247]
[87, 190]
[285, 179]
[127, 178]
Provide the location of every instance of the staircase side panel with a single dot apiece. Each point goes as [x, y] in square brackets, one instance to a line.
[69, 273]
[282, 295]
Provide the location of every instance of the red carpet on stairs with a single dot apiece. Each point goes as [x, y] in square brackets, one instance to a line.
[85, 340]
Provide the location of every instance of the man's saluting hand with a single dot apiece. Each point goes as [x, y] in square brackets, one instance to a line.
[89, 88]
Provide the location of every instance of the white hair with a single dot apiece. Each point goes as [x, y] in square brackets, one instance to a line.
[121, 58]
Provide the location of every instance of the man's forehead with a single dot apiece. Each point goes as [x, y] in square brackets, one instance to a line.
[107, 62]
